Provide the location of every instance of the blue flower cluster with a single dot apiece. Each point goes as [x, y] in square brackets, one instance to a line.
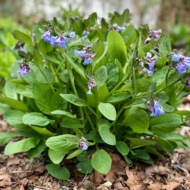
[87, 57]
[155, 109]
[24, 69]
[156, 34]
[182, 62]
[57, 40]
[118, 28]
[150, 61]
[83, 143]
[85, 33]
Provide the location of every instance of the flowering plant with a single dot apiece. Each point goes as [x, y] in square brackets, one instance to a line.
[85, 87]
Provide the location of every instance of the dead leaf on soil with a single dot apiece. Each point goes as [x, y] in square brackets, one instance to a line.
[155, 169]
[155, 186]
[105, 186]
[5, 180]
[171, 186]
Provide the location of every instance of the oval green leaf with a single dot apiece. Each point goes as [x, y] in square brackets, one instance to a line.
[21, 146]
[74, 100]
[56, 171]
[107, 110]
[101, 161]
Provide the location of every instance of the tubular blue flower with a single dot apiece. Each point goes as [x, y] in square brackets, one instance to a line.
[156, 109]
[24, 69]
[156, 34]
[83, 143]
[71, 35]
[87, 57]
[87, 61]
[150, 61]
[19, 46]
[176, 57]
[79, 53]
[182, 62]
[47, 36]
[91, 84]
[118, 28]
[85, 33]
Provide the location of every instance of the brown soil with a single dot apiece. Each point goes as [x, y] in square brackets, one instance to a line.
[18, 172]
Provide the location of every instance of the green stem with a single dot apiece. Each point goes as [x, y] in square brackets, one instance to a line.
[124, 78]
[89, 119]
[74, 89]
[47, 80]
[54, 73]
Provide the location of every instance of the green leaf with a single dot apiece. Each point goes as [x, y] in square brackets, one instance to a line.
[78, 68]
[137, 119]
[82, 156]
[14, 118]
[165, 123]
[101, 161]
[43, 131]
[6, 136]
[66, 113]
[129, 35]
[15, 104]
[107, 110]
[165, 46]
[20, 36]
[101, 75]
[57, 102]
[75, 153]
[140, 154]
[35, 118]
[106, 135]
[122, 147]
[103, 93]
[37, 57]
[74, 100]
[36, 151]
[141, 52]
[10, 89]
[116, 47]
[42, 96]
[44, 47]
[51, 59]
[58, 172]
[71, 123]
[85, 166]
[119, 97]
[21, 146]
[113, 75]
[137, 143]
[165, 145]
[56, 156]
[63, 142]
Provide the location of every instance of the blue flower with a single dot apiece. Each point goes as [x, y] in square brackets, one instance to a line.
[53, 40]
[150, 61]
[79, 53]
[156, 34]
[24, 69]
[85, 33]
[87, 61]
[72, 35]
[83, 143]
[182, 62]
[176, 57]
[118, 28]
[47, 36]
[156, 109]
